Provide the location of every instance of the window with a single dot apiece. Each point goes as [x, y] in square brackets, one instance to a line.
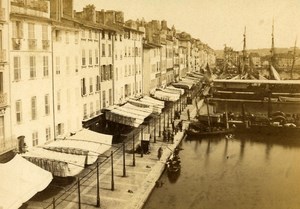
[45, 32]
[76, 37]
[120, 37]
[83, 34]
[98, 83]
[109, 36]
[109, 50]
[17, 69]
[129, 51]
[18, 111]
[125, 70]
[57, 65]
[83, 58]
[31, 34]
[129, 70]
[60, 129]
[58, 100]
[90, 34]
[67, 37]
[103, 35]
[68, 65]
[1, 82]
[85, 116]
[33, 108]
[90, 57]
[97, 106]
[2, 129]
[35, 139]
[76, 64]
[92, 109]
[48, 133]
[103, 50]
[18, 29]
[117, 74]
[83, 88]
[91, 85]
[45, 66]
[32, 63]
[103, 99]
[96, 56]
[102, 69]
[47, 105]
[57, 35]
[110, 96]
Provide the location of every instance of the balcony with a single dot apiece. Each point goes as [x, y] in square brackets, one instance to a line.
[32, 44]
[2, 15]
[17, 43]
[3, 56]
[3, 100]
[46, 44]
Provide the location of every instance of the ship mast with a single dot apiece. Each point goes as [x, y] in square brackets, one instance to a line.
[244, 51]
[273, 47]
[294, 59]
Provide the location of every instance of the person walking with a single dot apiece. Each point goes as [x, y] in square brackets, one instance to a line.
[159, 152]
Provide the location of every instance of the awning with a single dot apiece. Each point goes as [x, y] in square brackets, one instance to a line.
[146, 104]
[89, 142]
[166, 96]
[59, 164]
[128, 115]
[181, 91]
[20, 180]
[182, 84]
[153, 101]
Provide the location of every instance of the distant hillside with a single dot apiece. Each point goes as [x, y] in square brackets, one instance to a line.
[262, 52]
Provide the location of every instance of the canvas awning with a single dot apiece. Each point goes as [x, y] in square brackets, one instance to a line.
[58, 163]
[166, 96]
[128, 115]
[20, 180]
[182, 84]
[153, 101]
[90, 142]
[139, 103]
[181, 91]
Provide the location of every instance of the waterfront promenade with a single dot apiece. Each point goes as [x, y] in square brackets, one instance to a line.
[129, 191]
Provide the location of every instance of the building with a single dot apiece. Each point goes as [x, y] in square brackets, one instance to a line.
[8, 142]
[31, 75]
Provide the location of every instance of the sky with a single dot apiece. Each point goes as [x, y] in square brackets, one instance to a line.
[217, 22]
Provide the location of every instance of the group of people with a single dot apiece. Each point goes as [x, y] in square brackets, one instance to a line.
[168, 136]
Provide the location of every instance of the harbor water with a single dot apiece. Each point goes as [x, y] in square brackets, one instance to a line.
[246, 172]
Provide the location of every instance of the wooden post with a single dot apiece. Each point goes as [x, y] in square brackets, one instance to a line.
[208, 115]
[159, 126]
[142, 138]
[53, 202]
[226, 115]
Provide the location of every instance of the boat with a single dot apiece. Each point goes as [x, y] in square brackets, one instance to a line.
[199, 130]
[173, 164]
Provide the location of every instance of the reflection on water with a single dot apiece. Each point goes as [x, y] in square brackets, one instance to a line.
[241, 172]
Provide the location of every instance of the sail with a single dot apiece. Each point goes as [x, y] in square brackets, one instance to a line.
[274, 73]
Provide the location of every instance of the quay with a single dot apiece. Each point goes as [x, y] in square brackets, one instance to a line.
[132, 190]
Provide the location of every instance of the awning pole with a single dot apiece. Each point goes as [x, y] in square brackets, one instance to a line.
[98, 187]
[142, 138]
[124, 168]
[159, 126]
[79, 199]
[112, 171]
[154, 131]
[53, 202]
[133, 150]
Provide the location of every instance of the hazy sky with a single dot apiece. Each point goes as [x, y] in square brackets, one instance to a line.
[217, 22]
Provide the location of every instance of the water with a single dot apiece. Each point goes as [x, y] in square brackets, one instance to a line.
[242, 172]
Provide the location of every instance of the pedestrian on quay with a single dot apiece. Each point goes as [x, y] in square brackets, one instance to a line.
[188, 114]
[172, 138]
[180, 126]
[169, 135]
[165, 135]
[159, 152]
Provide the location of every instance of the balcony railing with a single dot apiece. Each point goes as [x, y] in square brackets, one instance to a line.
[3, 100]
[46, 44]
[2, 14]
[17, 43]
[8, 145]
[2, 55]
[32, 43]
